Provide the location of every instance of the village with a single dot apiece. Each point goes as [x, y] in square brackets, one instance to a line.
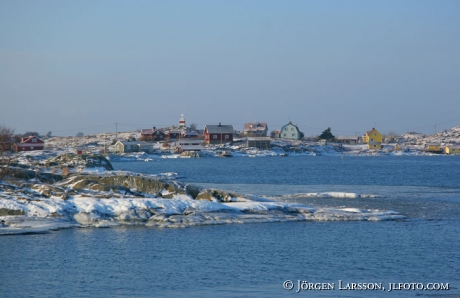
[223, 140]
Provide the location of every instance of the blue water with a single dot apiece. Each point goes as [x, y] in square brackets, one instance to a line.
[253, 260]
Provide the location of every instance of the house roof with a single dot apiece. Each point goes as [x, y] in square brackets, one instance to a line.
[290, 124]
[159, 130]
[29, 140]
[148, 131]
[257, 126]
[219, 128]
[190, 133]
[370, 131]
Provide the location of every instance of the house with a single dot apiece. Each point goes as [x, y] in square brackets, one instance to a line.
[125, 147]
[373, 138]
[347, 139]
[174, 134]
[132, 146]
[433, 148]
[258, 129]
[290, 132]
[147, 134]
[189, 145]
[263, 143]
[451, 149]
[29, 144]
[159, 135]
[153, 135]
[144, 147]
[218, 134]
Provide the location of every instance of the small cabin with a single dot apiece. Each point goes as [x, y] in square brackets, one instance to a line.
[451, 149]
[29, 144]
[433, 148]
[262, 143]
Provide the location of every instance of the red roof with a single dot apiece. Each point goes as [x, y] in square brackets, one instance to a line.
[31, 140]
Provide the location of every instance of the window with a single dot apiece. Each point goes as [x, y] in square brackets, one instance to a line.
[227, 137]
[292, 128]
[31, 148]
[372, 139]
[292, 135]
[214, 137]
[375, 134]
[284, 135]
[34, 140]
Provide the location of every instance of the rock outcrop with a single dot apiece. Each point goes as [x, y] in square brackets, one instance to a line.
[83, 160]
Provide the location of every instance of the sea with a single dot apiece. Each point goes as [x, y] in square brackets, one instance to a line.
[418, 256]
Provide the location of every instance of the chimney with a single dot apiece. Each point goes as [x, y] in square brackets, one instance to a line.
[220, 124]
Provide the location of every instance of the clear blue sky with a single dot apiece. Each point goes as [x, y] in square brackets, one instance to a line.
[70, 66]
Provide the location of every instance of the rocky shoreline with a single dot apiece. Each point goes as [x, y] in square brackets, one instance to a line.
[69, 190]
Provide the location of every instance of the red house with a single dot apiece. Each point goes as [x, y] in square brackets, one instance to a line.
[29, 144]
[218, 134]
[154, 134]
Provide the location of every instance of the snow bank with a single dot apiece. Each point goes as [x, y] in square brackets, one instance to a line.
[180, 211]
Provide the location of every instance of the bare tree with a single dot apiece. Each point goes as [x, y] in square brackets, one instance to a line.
[6, 146]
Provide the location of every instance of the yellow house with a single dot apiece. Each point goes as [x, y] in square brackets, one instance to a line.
[373, 138]
[433, 148]
[449, 149]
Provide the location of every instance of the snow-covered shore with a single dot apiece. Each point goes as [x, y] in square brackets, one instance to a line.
[47, 193]
[180, 211]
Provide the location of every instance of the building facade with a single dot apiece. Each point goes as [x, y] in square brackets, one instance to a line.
[373, 138]
[290, 132]
[218, 134]
[29, 144]
[258, 129]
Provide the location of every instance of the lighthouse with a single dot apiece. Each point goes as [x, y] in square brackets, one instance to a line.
[182, 121]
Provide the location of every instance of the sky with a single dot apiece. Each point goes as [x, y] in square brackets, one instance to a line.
[99, 66]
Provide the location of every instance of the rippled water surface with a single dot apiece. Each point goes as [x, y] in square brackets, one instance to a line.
[253, 260]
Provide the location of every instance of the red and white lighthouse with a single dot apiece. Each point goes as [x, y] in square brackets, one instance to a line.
[182, 121]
